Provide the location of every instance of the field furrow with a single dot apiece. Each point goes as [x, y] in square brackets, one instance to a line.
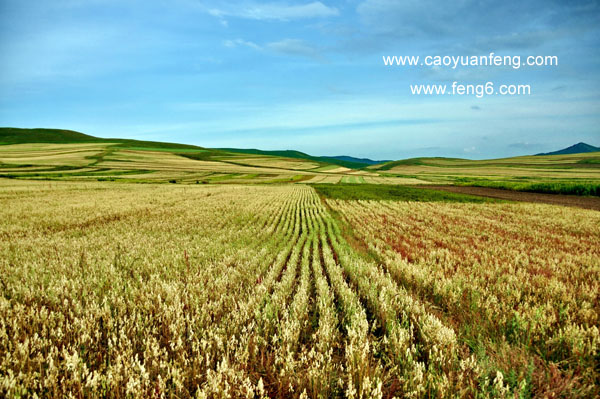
[489, 272]
[227, 291]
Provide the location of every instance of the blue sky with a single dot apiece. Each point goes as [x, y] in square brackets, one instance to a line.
[305, 75]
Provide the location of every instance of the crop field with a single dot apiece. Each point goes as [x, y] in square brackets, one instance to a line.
[285, 291]
[294, 164]
[112, 161]
[73, 156]
[570, 161]
[566, 174]
[108, 161]
[526, 277]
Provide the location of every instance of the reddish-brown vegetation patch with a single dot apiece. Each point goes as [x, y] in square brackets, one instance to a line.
[553, 199]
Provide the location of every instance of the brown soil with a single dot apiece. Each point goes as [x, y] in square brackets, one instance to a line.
[554, 199]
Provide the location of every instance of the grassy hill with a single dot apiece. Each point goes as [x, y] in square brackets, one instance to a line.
[11, 135]
[66, 154]
[355, 163]
[366, 161]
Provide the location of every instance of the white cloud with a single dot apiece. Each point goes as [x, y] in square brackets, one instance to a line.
[273, 11]
[241, 42]
[294, 47]
[286, 46]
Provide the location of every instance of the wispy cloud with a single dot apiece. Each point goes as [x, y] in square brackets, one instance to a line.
[295, 47]
[272, 11]
[241, 42]
[479, 24]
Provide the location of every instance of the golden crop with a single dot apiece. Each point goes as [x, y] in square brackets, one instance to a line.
[231, 291]
[520, 283]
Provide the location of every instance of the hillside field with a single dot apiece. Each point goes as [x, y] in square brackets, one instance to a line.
[50, 154]
[110, 161]
[577, 174]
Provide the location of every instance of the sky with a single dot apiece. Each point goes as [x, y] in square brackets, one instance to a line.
[304, 75]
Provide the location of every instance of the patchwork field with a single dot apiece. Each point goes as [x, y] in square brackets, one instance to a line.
[153, 290]
[68, 155]
[568, 174]
[111, 161]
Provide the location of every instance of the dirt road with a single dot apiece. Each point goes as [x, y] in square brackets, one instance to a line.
[554, 199]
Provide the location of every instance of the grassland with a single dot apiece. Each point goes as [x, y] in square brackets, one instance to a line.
[581, 187]
[172, 290]
[365, 191]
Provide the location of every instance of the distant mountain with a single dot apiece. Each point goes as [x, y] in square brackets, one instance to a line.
[366, 161]
[574, 149]
[345, 161]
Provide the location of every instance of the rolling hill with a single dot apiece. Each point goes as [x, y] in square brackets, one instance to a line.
[345, 161]
[9, 135]
[55, 154]
[358, 160]
[577, 174]
[534, 163]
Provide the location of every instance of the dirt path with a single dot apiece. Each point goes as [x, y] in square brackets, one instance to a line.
[554, 199]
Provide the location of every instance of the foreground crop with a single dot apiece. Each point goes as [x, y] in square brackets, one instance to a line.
[247, 291]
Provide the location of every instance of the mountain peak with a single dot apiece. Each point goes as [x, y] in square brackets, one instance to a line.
[578, 148]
